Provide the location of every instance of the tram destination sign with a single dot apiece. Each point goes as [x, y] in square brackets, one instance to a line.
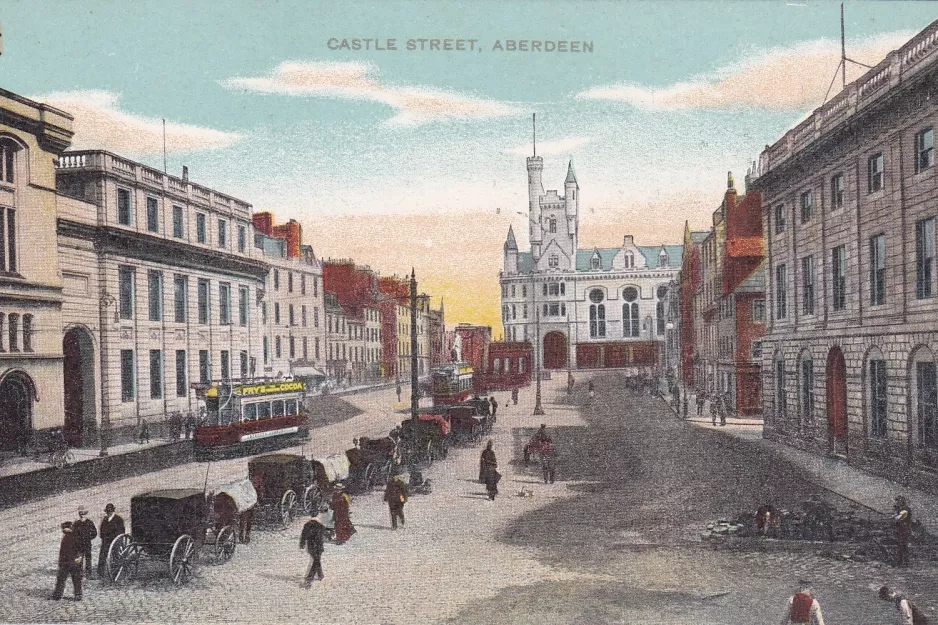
[291, 386]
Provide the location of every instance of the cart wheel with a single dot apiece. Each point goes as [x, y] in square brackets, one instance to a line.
[58, 459]
[312, 498]
[368, 479]
[182, 559]
[122, 557]
[225, 544]
[287, 503]
[69, 458]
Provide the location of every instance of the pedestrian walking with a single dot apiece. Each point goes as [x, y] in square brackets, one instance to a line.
[396, 496]
[548, 462]
[908, 612]
[494, 406]
[723, 407]
[112, 526]
[714, 400]
[902, 515]
[70, 561]
[514, 396]
[190, 425]
[144, 432]
[699, 400]
[398, 392]
[540, 438]
[312, 538]
[803, 608]
[85, 533]
[488, 470]
[592, 392]
[341, 508]
[175, 425]
[677, 397]
[685, 406]
[570, 383]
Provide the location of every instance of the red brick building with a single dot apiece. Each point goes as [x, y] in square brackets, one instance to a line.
[474, 342]
[508, 366]
[394, 305]
[690, 283]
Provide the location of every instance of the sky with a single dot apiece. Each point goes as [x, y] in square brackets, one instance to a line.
[415, 158]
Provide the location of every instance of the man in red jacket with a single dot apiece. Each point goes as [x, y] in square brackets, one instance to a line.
[803, 608]
[70, 561]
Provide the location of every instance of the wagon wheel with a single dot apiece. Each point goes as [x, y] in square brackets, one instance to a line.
[312, 498]
[58, 459]
[225, 544]
[368, 479]
[385, 473]
[287, 503]
[69, 458]
[122, 558]
[182, 559]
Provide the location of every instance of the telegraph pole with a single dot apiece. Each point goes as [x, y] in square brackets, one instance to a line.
[414, 381]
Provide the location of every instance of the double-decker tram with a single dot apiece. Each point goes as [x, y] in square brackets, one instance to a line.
[450, 384]
[249, 414]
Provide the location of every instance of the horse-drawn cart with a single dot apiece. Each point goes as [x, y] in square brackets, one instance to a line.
[285, 484]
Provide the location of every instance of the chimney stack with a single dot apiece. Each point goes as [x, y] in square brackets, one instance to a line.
[185, 173]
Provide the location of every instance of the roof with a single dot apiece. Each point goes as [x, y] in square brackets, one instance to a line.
[650, 252]
[571, 175]
[699, 236]
[525, 262]
[510, 243]
[171, 493]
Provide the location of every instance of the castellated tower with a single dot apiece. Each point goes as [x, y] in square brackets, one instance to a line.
[535, 191]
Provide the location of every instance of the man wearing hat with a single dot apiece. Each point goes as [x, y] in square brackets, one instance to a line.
[908, 612]
[112, 526]
[903, 518]
[69, 564]
[396, 496]
[85, 532]
[803, 608]
[312, 538]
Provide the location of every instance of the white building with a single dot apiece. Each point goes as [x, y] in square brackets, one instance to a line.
[596, 308]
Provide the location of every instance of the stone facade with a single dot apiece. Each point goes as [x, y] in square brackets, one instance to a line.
[849, 200]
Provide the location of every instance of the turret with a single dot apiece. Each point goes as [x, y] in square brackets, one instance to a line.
[511, 253]
[535, 191]
[572, 202]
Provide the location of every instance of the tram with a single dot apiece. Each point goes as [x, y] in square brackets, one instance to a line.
[246, 414]
[450, 384]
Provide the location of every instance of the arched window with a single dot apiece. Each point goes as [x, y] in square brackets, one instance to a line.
[27, 333]
[876, 393]
[630, 322]
[14, 331]
[781, 398]
[552, 224]
[924, 388]
[597, 313]
[630, 261]
[806, 389]
[595, 263]
[659, 309]
[8, 150]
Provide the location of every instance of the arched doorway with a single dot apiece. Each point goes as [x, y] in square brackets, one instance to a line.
[17, 393]
[836, 402]
[555, 350]
[78, 374]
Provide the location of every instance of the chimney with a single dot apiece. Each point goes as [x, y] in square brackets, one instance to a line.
[185, 173]
[628, 241]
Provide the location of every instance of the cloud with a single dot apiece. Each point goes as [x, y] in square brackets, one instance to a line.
[100, 124]
[561, 146]
[795, 77]
[358, 81]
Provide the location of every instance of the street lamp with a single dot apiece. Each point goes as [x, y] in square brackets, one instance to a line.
[538, 408]
[106, 301]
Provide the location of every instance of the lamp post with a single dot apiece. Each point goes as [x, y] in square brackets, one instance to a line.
[538, 408]
[106, 301]
[414, 382]
[669, 328]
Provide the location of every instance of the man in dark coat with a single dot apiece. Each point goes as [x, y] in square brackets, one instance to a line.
[85, 532]
[190, 425]
[494, 406]
[903, 518]
[112, 526]
[488, 470]
[70, 562]
[396, 496]
[312, 538]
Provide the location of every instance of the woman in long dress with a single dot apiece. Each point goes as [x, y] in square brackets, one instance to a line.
[488, 466]
[341, 508]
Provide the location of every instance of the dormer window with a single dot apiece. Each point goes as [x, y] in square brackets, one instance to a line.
[595, 263]
[630, 261]
[663, 259]
[553, 261]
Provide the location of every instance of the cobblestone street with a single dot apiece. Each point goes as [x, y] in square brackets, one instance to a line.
[615, 540]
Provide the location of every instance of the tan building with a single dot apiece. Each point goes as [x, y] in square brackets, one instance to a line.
[31, 356]
[338, 366]
[850, 200]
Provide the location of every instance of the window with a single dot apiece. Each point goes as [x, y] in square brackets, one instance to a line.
[630, 324]
[839, 277]
[303, 286]
[659, 317]
[201, 230]
[758, 310]
[156, 374]
[205, 367]
[155, 292]
[807, 285]
[14, 331]
[153, 215]
[292, 317]
[781, 400]
[595, 263]
[277, 312]
[277, 350]
[878, 402]
[807, 390]
[878, 270]
[242, 238]
[289, 282]
[927, 404]
[663, 259]
[837, 192]
[524, 290]
[222, 233]
[924, 257]
[597, 314]
[225, 365]
[780, 218]
[315, 286]
[306, 348]
[125, 291]
[242, 305]
[224, 303]
[630, 261]
[266, 349]
[276, 280]
[27, 333]
[244, 364]
[807, 206]
[128, 380]
[123, 207]
[553, 261]
[924, 150]
[7, 239]
[755, 350]
[292, 348]
[876, 173]
[316, 344]
[8, 161]
[781, 291]
[552, 224]
[203, 300]
[180, 292]
[179, 230]
[315, 317]
[181, 385]
[524, 311]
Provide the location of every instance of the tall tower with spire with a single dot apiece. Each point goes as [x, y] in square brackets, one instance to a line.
[572, 201]
[535, 191]
[511, 253]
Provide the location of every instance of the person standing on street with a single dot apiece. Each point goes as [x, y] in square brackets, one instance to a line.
[398, 392]
[488, 470]
[396, 496]
[803, 608]
[514, 396]
[592, 392]
[714, 400]
[723, 406]
[85, 532]
[190, 425]
[494, 406]
[312, 539]
[699, 400]
[908, 612]
[902, 515]
[70, 561]
[341, 507]
[144, 432]
[685, 406]
[677, 398]
[112, 526]
[548, 462]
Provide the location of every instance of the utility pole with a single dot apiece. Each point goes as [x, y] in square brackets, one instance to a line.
[414, 381]
[843, 49]
[538, 408]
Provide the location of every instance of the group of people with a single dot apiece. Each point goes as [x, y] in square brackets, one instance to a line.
[76, 546]
[179, 423]
[804, 609]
